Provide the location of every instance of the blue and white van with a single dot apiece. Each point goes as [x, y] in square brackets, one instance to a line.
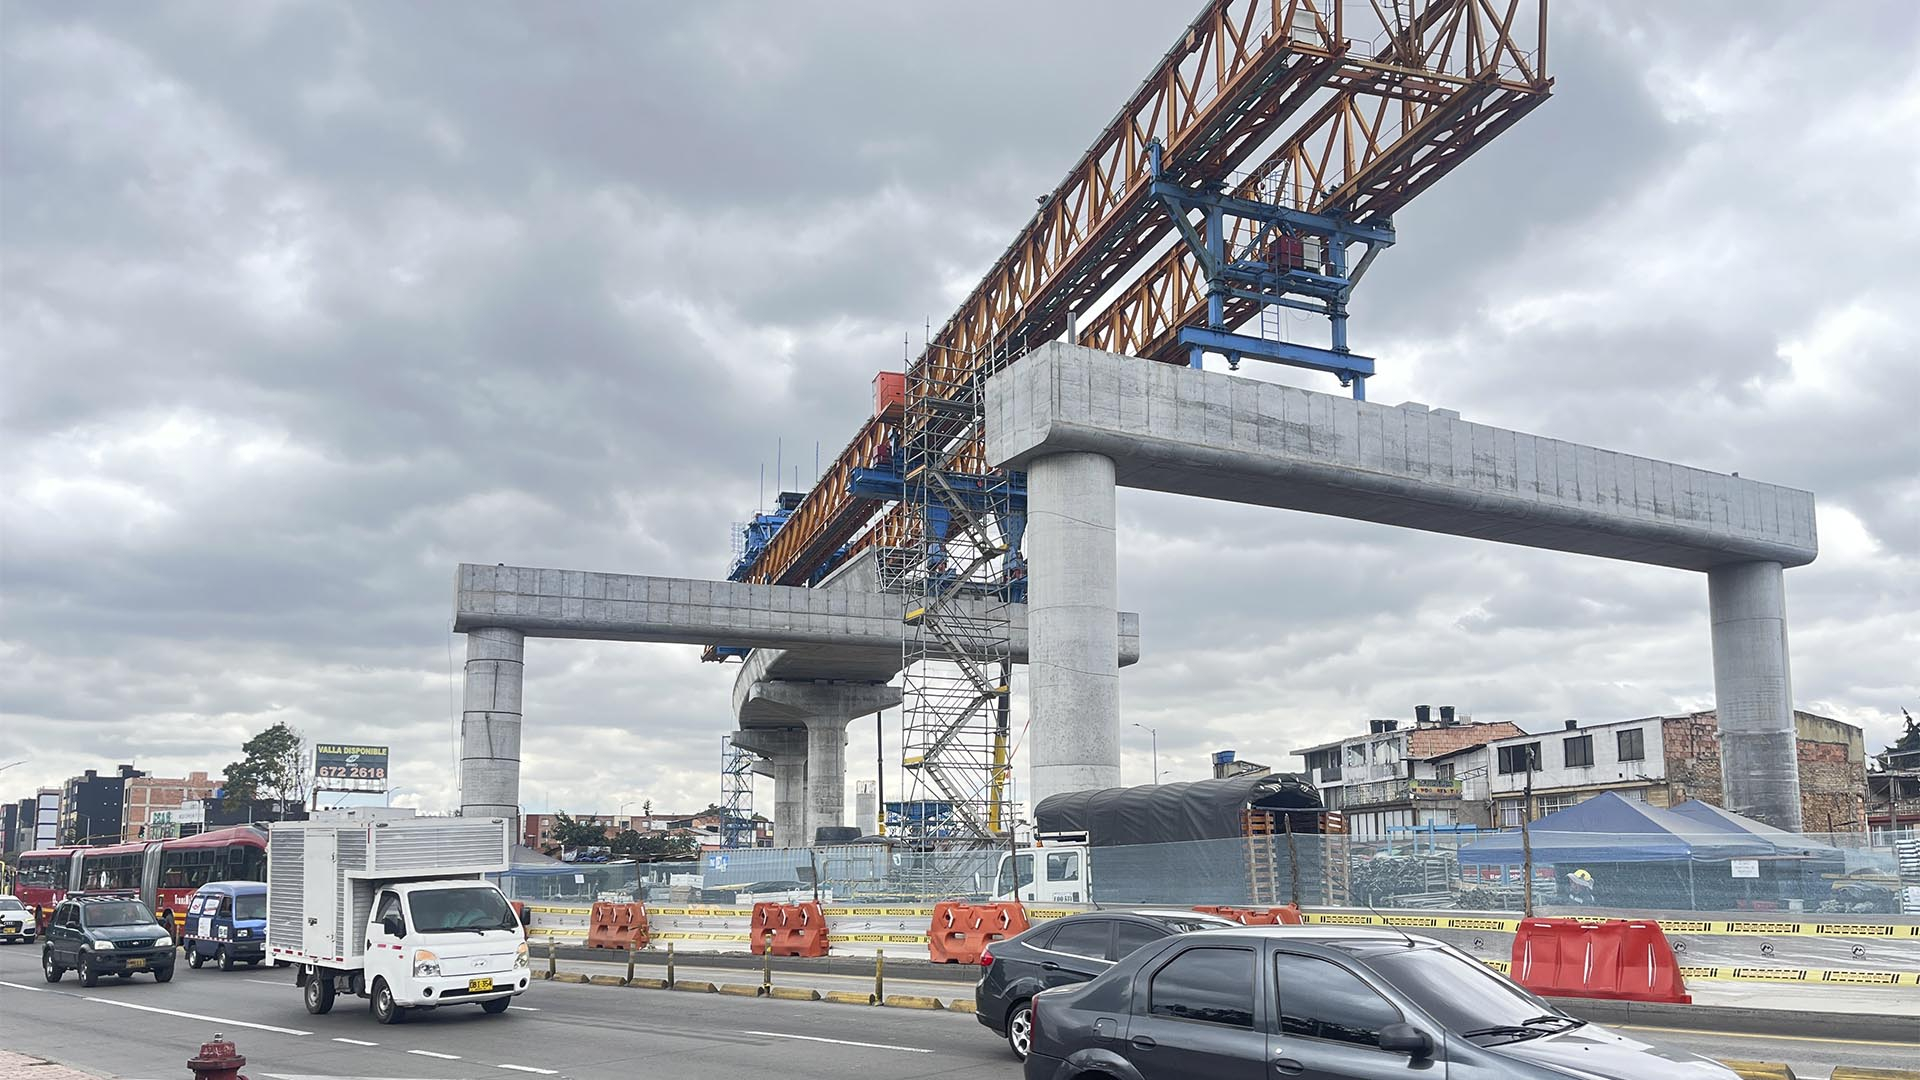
[226, 922]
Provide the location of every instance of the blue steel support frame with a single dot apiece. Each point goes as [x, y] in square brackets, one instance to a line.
[1291, 287]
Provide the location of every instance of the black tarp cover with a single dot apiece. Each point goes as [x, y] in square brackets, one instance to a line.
[1172, 813]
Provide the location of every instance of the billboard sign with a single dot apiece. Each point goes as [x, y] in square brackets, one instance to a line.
[341, 767]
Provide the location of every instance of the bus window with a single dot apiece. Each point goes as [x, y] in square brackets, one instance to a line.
[246, 863]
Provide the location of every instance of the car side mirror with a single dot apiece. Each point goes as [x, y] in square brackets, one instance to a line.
[394, 927]
[1405, 1039]
[526, 917]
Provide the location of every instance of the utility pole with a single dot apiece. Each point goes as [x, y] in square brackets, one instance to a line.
[1526, 836]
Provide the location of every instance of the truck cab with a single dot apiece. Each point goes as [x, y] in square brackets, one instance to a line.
[434, 943]
[226, 922]
[1053, 873]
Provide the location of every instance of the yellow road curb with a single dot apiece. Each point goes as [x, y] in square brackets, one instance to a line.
[962, 1005]
[1760, 1070]
[911, 1001]
[740, 989]
[604, 980]
[794, 993]
[693, 986]
[640, 983]
[569, 977]
[847, 997]
[1863, 1072]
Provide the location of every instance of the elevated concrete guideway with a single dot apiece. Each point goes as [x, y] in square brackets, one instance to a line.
[1239, 440]
[1082, 422]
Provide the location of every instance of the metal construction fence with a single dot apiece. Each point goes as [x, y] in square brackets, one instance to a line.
[1733, 875]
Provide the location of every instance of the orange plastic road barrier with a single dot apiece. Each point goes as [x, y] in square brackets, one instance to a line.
[1619, 959]
[960, 931]
[788, 930]
[617, 926]
[1287, 915]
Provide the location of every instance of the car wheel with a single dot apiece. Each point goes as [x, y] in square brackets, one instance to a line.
[164, 974]
[88, 976]
[496, 1006]
[52, 970]
[224, 958]
[319, 993]
[1020, 1029]
[385, 1009]
[195, 957]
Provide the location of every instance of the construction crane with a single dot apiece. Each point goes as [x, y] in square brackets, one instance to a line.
[1254, 172]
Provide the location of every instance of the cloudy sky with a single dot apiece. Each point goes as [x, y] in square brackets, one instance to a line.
[304, 303]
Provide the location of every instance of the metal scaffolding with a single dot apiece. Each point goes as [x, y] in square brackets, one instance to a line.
[736, 795]
[959, 572]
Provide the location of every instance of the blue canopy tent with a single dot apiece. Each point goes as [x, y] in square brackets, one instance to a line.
[1610, 829]
[1638, 855]
[1783, 842]
[1799, 868]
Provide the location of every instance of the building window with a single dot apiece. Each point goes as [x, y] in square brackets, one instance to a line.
[1443, 772]
[1357, 755]
[1553, 804]
[1579, 751]
[1514, 759]
[1633, 744]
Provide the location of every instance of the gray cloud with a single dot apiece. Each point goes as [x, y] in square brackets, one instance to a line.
[306, 302]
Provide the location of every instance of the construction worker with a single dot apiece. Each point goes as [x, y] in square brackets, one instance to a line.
[1580, 887]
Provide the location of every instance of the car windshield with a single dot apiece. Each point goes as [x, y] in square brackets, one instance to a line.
[446, 911]
[250, 906]
[8, 903]
[115, 913]
[1461, 993]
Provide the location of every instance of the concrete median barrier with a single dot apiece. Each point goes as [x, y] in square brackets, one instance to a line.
[1760, 1070]
[740, 989]
[605, 980]
[911, 1001]
[794, 993]
[569, 977]
[961, 1005]
[642, 983]
[694, 986]
[847, 997]
[1863, 1072]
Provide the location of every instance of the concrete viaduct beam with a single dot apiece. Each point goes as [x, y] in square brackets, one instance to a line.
[1082, 422]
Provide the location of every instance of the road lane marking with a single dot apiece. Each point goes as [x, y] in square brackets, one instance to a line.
[1758, 1035]
[523, 1008]
[198, 1016]
[268, 982]
[355, 1042]
[530, 1069]
[840, 1042]
[436, 1054]
[30, 989]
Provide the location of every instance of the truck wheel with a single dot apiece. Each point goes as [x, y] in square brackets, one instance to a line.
[52, 970]
[1020, 1029]
[319, 993]
[195, 957]
[496, 1006]
[224, 958]
[385, 1009]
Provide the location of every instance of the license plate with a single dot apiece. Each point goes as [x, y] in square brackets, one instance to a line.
[479, 986]
[136, 962]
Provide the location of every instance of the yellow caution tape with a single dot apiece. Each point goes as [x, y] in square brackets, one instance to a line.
[1779, 975]
[1711, 928]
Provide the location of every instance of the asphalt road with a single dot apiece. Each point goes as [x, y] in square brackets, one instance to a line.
[145, 1030]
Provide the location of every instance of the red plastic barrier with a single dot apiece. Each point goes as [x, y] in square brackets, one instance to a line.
[789, 930]
[1287, 915]
[618, 926]
[1618, 959]
[960, 931]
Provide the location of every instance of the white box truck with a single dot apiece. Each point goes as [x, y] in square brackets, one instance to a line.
[396, 910]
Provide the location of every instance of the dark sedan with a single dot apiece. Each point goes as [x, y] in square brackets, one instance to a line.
[1325, 1003]
[1063, 952]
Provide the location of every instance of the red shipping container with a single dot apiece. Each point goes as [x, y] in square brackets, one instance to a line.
[890, 394]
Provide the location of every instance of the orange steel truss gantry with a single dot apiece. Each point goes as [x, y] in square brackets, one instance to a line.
[1345, 108]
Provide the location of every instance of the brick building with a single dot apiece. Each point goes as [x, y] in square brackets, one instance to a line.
[144, 795]
[1833, 767]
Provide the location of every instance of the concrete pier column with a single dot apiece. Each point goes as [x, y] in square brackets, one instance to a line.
[823, 709]
[1073, 641]
[784, 755]
[1753, 688]
[490, 724]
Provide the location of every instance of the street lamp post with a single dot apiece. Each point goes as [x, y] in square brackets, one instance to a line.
[1154, 736]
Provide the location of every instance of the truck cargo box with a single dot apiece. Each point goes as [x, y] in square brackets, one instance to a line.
[321, 874]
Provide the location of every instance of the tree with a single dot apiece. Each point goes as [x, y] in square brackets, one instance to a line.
[273, 766]
[571, 833]
[652, 846]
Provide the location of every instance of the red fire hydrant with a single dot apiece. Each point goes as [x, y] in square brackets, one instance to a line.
[218, 1060]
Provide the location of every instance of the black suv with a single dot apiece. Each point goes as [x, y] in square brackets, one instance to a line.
[1064, 951]
[105, 935]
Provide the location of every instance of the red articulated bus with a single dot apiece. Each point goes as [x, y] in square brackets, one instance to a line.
[165, 873]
